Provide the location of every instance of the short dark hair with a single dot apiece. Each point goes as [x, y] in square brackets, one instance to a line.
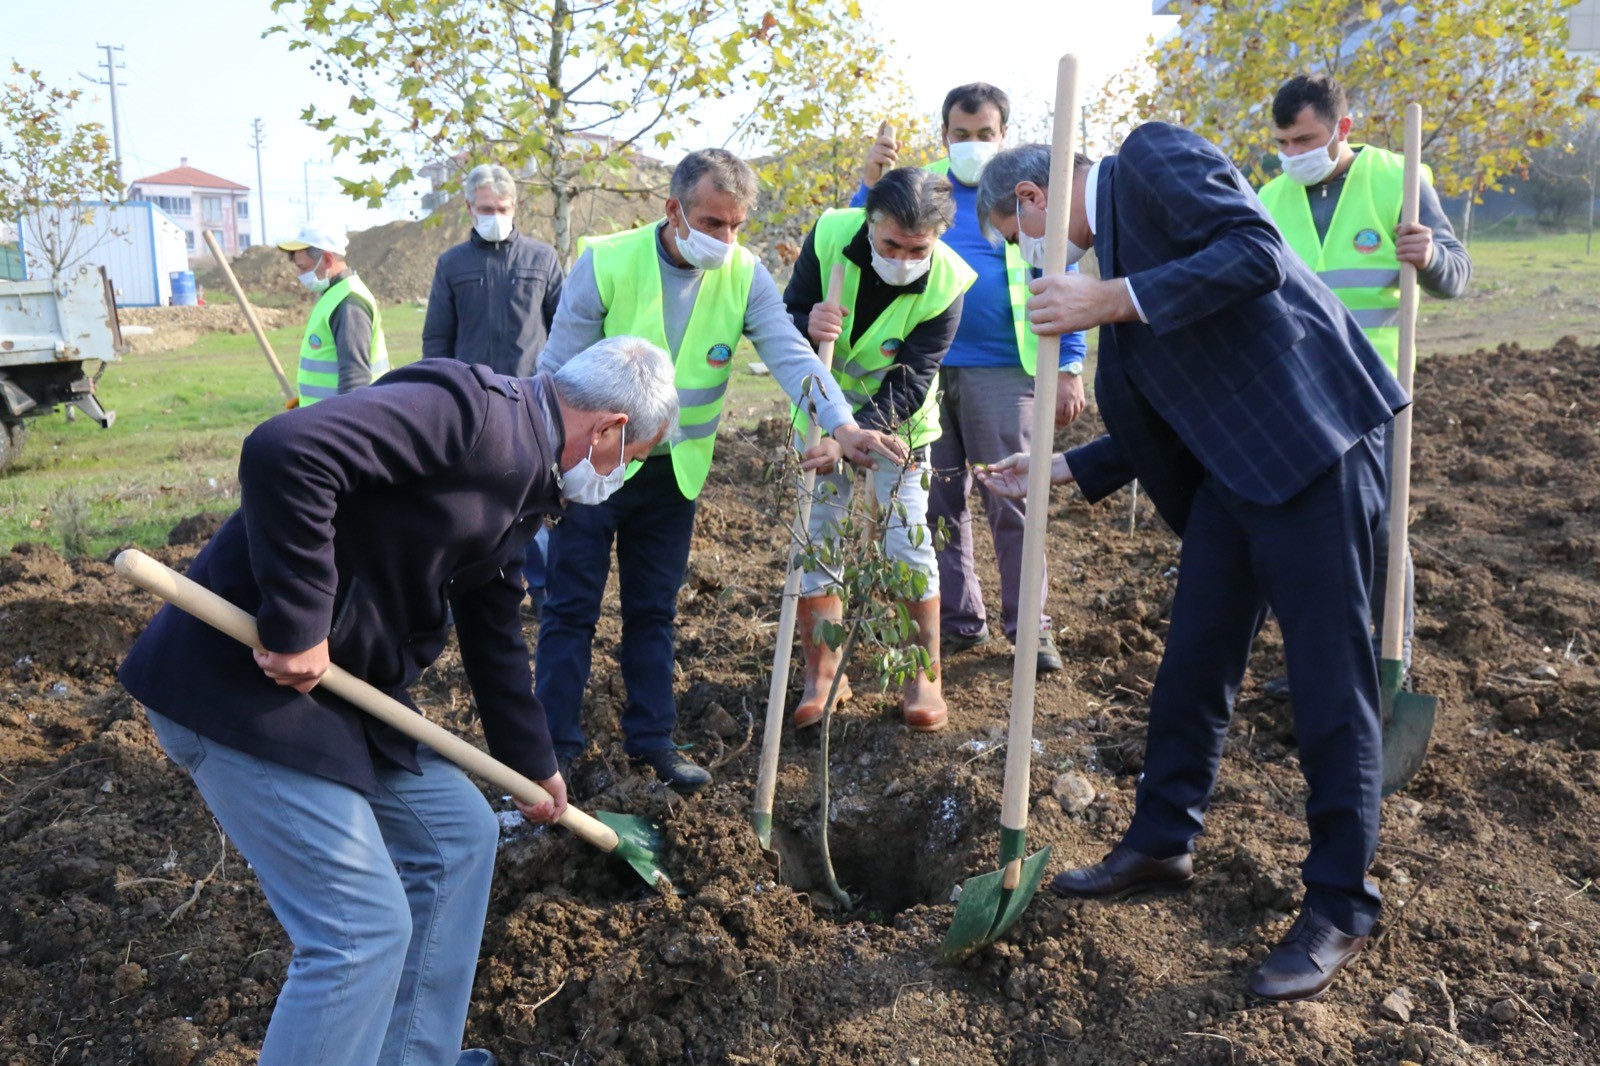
[971, 98]
[1316, 91]
[919, 201]
[728, 174]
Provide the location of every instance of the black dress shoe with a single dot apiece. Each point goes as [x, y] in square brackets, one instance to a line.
[956, 643]
[1306, 961]
[1277, 689]
[674, 770]
[1124, 873]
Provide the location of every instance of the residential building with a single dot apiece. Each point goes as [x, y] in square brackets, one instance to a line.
[199, 201]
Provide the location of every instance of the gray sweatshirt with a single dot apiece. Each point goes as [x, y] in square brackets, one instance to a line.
[580, 322]
[1451, 269]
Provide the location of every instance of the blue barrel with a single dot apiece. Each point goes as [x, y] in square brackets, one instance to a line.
[183, 292]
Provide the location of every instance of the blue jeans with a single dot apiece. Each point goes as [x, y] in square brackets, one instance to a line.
[384, 898]
[651, 524]
[533, 567]
[1310, 559]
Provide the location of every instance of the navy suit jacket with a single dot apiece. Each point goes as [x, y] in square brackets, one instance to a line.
[1250, 369]
[364, 519]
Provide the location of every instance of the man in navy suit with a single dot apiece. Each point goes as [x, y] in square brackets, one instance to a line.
[1247, 402]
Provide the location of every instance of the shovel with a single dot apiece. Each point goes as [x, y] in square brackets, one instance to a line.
[1407, 716]
[632, 839]
[990, 903]
[772, 731]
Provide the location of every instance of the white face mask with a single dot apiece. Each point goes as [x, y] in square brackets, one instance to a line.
[703, 251]
[583, 484]
[1032, 248]
[968, 158]
[493, 228]
[310, 280]
[897, 272]
[1310, 168]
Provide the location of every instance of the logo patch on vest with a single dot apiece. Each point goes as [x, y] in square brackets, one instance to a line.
[316, 341]
[890, 348]
[1367, 241]
[719, 356]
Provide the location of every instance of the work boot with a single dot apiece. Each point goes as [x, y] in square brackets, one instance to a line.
[956, 643]
[1049, 654]
[674, 770]
[822, 662]
[922, 698]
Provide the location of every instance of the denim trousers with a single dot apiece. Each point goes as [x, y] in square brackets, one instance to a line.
[383, 897]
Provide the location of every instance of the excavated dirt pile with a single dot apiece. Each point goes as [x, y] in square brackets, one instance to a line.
[132, 933]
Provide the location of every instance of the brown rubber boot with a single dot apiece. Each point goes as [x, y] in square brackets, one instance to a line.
[922, 698]
[822, 662]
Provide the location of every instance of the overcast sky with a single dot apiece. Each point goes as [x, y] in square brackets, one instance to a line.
[196, 76]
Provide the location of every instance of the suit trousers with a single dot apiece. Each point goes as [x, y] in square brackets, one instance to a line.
[1311, 560]
[383, 896]
[651, 524]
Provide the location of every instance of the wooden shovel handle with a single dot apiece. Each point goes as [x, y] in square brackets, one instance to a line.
[778, 688]
[250, 319]
[1400, 443]
[1019, 740]
[196, 599]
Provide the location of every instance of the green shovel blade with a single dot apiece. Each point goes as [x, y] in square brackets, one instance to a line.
[1407, 726]
[763, 826]
[986, 908]
[637, 841]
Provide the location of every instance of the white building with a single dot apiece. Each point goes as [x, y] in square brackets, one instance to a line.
[137, 244]
[199, 201]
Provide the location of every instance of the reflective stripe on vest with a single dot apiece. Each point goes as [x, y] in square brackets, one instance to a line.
[318, 374]
[1017, 277]
[627, 273]
[859, 365]
[1356, 259]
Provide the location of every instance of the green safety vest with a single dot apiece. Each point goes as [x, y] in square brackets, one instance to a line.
[1018, 275]
[319, 362]
[859, 365]
[627, 272]
[1356, 259]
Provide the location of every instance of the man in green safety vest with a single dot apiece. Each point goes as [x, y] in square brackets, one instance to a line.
[686, 285]
[986, 380]
[1338, 206]
[895, 320]
[343, 346]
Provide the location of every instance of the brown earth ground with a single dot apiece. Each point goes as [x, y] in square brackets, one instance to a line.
[132, 933]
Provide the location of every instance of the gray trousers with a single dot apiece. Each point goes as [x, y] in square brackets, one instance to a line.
[986, 414]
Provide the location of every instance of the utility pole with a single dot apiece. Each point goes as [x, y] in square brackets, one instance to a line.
[256, 127]
[305, 173]
[111, 65]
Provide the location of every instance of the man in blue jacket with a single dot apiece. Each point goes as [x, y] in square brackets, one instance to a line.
[1239, 391]
[364, 522]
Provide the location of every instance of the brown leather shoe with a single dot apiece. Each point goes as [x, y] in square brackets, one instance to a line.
[1306, 961]
[1124, 873]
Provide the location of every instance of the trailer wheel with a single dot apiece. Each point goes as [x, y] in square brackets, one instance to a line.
[12, 437]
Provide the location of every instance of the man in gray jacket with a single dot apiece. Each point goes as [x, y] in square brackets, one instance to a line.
[494, 297]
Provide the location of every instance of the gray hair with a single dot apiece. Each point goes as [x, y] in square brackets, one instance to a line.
[918, 200]
[627, 375]
[997, 188]
[728, 173]
[495, 177]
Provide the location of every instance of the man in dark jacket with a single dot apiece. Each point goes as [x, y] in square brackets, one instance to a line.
[1240, 392]
[363, 523]
[493, 299]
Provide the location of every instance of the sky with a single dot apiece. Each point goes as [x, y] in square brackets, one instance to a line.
[193, 82]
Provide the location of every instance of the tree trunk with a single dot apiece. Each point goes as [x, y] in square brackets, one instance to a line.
[561, 221]
[1466, 213]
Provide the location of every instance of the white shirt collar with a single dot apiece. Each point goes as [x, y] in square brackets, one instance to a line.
[1090, 188]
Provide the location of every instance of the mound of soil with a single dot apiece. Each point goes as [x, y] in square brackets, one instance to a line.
[172, 328]
[133, 933]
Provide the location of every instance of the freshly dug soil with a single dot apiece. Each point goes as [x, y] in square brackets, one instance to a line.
[172, 328]
[132, 933]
